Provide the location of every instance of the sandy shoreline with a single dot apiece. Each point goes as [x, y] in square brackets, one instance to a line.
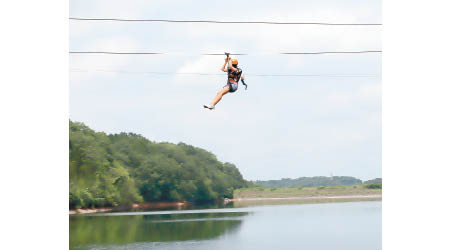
[161, 205]
[336, 197]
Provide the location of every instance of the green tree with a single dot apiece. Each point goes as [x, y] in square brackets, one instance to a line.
[120, 169]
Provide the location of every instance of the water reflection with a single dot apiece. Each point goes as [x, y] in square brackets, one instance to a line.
[88, 230]
[347, 225]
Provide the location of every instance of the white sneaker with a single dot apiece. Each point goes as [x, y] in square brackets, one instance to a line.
[211, 107]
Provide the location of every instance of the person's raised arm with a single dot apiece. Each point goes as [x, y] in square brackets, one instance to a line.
[225, 64]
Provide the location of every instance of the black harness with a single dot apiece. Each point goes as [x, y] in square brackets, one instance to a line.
[235, 76]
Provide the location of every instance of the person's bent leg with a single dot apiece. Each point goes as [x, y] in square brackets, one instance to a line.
[217, 98]
[219, 95]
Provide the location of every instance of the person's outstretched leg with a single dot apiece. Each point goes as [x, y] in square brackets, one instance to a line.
[219, 95]
[217, 98]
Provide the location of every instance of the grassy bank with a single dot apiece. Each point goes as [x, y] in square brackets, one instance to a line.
[260, 192]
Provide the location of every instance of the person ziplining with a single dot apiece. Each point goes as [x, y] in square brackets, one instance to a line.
[234, 75]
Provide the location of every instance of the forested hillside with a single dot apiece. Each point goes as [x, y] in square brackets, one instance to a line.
[310, 182]
[120, 169]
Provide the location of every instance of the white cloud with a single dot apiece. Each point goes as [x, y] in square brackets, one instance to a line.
[364, 94]
[370, 92]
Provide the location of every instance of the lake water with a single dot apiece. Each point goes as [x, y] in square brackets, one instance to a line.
[327, 226]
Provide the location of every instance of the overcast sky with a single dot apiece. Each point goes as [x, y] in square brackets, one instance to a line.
[281, 126]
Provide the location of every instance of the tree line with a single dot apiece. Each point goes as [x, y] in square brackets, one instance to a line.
[315, 181]
[107, 170]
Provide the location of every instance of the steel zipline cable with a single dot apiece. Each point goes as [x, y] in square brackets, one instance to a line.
[222, 22]
[115, 53]
[216, 74]
[222, 54]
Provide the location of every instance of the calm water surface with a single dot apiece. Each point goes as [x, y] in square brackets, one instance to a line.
[346, 226]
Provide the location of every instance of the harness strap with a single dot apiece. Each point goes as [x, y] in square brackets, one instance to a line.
[234, 77]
